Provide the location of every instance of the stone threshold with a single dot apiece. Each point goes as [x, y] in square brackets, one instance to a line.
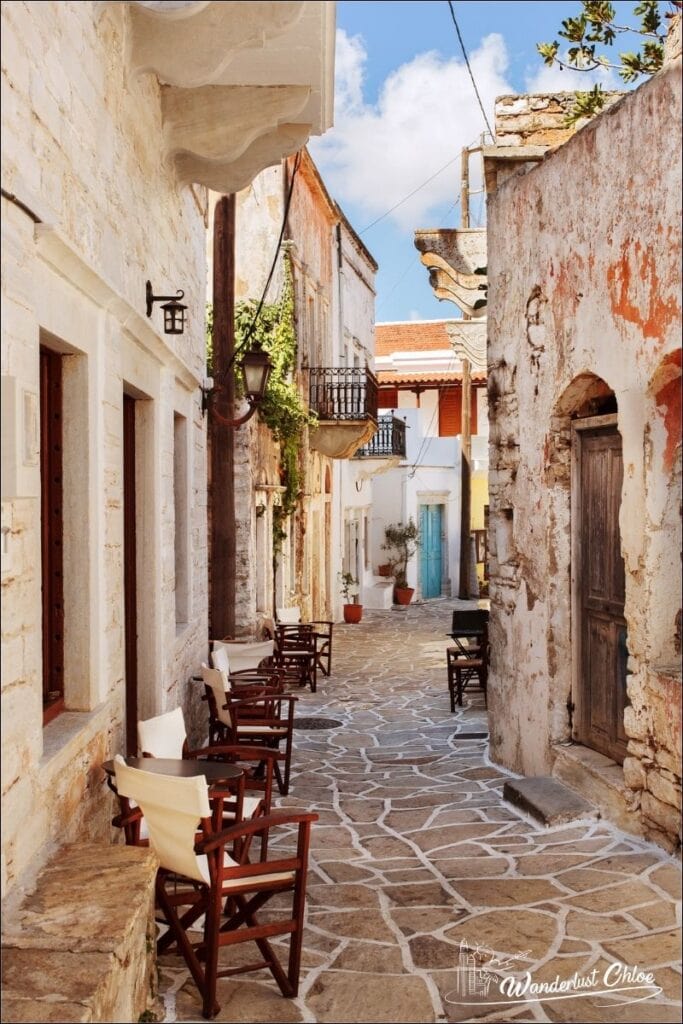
[547, 800]
[600, 780]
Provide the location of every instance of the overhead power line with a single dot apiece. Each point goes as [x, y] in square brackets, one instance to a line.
[409, 196]
[467, 62]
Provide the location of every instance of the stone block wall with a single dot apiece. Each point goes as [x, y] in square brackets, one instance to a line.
[538, 119]
[91, 214]
[592, 308]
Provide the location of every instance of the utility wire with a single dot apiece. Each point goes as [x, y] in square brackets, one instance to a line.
[467, 62]
[413, 258]
[250, 330]
[409, 196]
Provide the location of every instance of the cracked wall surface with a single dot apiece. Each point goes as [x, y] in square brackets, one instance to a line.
[584, 278]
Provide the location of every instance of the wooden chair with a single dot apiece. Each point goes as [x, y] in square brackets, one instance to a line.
[166, 736]
[461, 671]
[323, 630]
[297, 652]
[254, 675]
[262, 720]
[197, 875]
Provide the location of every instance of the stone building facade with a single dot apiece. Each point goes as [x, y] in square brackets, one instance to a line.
[584, 403]
[333, 286]
[104, 568]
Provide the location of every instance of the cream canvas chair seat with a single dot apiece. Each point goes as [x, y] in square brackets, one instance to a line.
[266, 718]
[223, 892]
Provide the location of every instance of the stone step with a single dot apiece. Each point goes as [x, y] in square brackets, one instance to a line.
[547, 800]
[600, 780]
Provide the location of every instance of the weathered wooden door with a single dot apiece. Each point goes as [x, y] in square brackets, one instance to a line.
[130, 575]
[600, 634]
[52, 532]
[430, 550]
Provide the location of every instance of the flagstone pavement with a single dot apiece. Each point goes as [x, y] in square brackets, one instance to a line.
[420, 873]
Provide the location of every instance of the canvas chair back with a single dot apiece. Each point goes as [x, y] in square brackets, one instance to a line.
[220, 660]
[173, 809]
[164, 735]
[289, 616]
[241, 655]
[218, 681]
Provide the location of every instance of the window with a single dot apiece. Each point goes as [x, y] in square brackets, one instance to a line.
[52, 532]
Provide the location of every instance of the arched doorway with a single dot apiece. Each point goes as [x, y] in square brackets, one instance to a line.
[599, 638]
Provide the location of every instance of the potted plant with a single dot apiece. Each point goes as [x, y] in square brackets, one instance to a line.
[401, 541]
[353, 611]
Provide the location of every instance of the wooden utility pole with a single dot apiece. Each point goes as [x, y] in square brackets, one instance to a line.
[465, 188]
[466, 426]
[465, 491]
[222, 550]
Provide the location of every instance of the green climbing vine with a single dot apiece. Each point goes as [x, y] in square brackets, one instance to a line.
[282, 408]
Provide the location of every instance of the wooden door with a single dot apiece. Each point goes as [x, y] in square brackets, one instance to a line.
[600, 643]
[430, 550]
[52, 532]
[130, 575]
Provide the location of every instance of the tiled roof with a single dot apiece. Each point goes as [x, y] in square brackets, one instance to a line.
[388, 377]
[411, 336]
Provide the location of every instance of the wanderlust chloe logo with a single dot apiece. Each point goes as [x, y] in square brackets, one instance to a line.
[484, 975]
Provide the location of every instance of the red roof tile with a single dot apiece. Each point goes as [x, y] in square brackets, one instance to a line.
[389, 378]
[411, 336]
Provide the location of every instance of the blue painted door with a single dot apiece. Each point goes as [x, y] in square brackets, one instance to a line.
[430, 549]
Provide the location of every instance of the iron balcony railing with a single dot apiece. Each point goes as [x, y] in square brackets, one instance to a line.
[389, 440]
[343, 393]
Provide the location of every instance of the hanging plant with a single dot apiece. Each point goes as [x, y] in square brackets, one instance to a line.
[282, 408]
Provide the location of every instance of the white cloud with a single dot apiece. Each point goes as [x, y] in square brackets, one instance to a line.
[557, 79]
[425, 113]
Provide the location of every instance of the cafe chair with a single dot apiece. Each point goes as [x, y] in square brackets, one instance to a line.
[323, 630]
[198, 876]
[247, 678]
[297, 652]
[246, 657]
[166, 736]
[263, 720]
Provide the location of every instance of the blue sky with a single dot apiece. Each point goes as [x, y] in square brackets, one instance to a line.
[404, 107]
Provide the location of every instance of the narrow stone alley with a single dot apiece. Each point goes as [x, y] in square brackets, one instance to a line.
[417, 863]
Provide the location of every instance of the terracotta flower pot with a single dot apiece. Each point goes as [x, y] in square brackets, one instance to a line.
[353, 612]
[403, 595]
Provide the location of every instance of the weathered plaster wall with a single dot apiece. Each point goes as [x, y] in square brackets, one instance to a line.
[82, 144]
[584, 278]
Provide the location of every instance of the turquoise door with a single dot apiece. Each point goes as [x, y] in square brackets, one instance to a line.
[430, 549]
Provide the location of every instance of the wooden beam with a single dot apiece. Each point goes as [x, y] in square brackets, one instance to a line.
[222, 550]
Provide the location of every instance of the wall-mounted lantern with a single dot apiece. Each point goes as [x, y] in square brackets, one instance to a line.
[256, 367]
[174, 310]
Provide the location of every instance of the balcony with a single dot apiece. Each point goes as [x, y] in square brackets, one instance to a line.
[390, 440]
[345, 401]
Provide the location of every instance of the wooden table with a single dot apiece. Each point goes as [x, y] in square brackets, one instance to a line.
[213, 771]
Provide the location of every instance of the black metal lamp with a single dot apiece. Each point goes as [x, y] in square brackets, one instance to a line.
[174, 310]
[256, 367]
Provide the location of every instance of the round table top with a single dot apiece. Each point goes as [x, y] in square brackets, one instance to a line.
[213, 771]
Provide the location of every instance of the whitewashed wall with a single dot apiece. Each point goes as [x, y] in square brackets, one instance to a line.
[82, 143]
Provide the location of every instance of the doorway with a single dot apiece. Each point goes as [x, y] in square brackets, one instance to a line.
[600, 640]
[130, 575]
[431, 524]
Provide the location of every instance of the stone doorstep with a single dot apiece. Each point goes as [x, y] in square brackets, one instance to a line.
[600, 781]
[547, 800]
[80, 947]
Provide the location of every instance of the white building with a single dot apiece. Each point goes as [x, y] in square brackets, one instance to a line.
[421, 386]
[109, 145]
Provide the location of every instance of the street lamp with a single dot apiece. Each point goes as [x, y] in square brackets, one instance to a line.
[256, 367]
[174, 310]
